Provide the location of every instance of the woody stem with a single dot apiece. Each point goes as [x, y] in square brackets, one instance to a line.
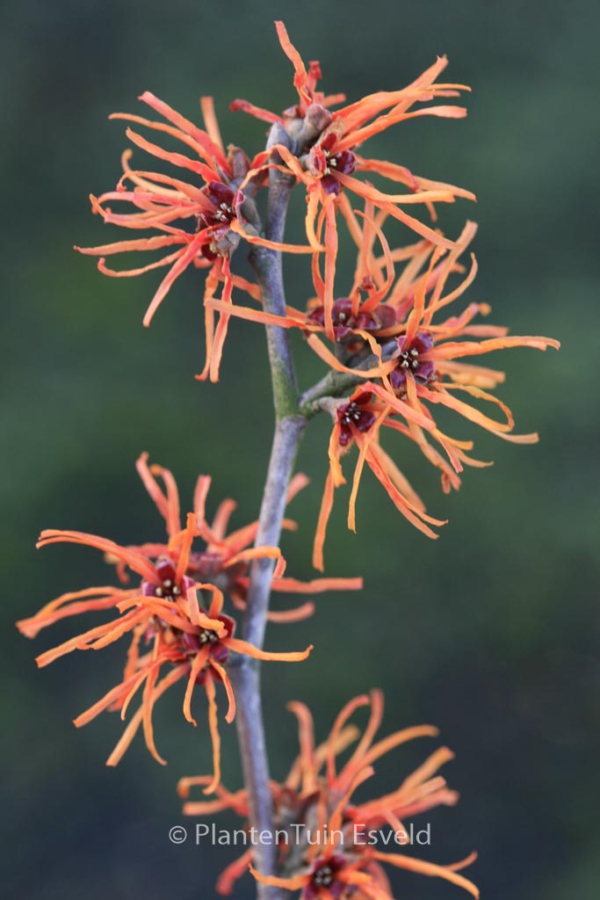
[335, 384]
[289, 428]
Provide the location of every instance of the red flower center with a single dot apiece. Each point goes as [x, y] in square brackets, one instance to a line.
[168, 587]
[223, 200]
[205, 566]
[206, 637]
[410, 359]
[354, 415]
[345, 322]
[324, 162]
[324, 877]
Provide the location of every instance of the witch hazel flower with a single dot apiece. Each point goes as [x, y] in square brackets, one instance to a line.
[328, 165]
[174, 615]
[169, 629]
[199, 220]
[357, 421]
[327, 853]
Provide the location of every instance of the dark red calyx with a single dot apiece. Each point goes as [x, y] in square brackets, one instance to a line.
[325, 162]
[324, 878]
[385, 316]
[354, 415]
[206, 637]
[223, 200]
[315, 73]
[410, 359]
[219, 219]
[205, 566]
[168, 586]
[345, 321]
[222, 197]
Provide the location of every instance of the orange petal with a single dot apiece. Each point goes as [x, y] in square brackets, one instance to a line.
[200, 493]
[213, 723]
[210, 121]
[147, 707]
[198, 664]
[331, 360]
[234, 870]
[300, 73]
[341, 719]
[180, 266]
[211, 150]
[247, 649]
[228, 688]
[299, 614]
[142, 244]
[324, 514]
[186, 547]
[176, 159]
[331, 250]
[263, 114]
[427, 868]
[131, 730]
[54, 611]
[295, 883]
[306, 739]
[223, 324]
[134, 560]
[118, 691]
[317, 585]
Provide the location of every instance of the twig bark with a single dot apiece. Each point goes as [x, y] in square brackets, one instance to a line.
[289, 428]
[334, 384]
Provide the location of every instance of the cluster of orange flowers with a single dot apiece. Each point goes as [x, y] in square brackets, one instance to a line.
[323, 834]
[390, 330]
[174, 614]
[389, 327]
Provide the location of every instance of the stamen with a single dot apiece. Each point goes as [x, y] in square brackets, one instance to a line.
[208, 637]
[324, 877]
[354, 414]
[411, 357]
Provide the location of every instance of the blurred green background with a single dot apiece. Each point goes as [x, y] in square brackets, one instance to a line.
[492, 631]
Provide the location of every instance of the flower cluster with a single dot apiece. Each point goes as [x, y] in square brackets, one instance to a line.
[393, 334]
[390, 330]
[417, 355]
[201, 223]
[174, 614]
[325, 845]
[327, 163]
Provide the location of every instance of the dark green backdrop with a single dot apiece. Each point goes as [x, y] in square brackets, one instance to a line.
[491, 632]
